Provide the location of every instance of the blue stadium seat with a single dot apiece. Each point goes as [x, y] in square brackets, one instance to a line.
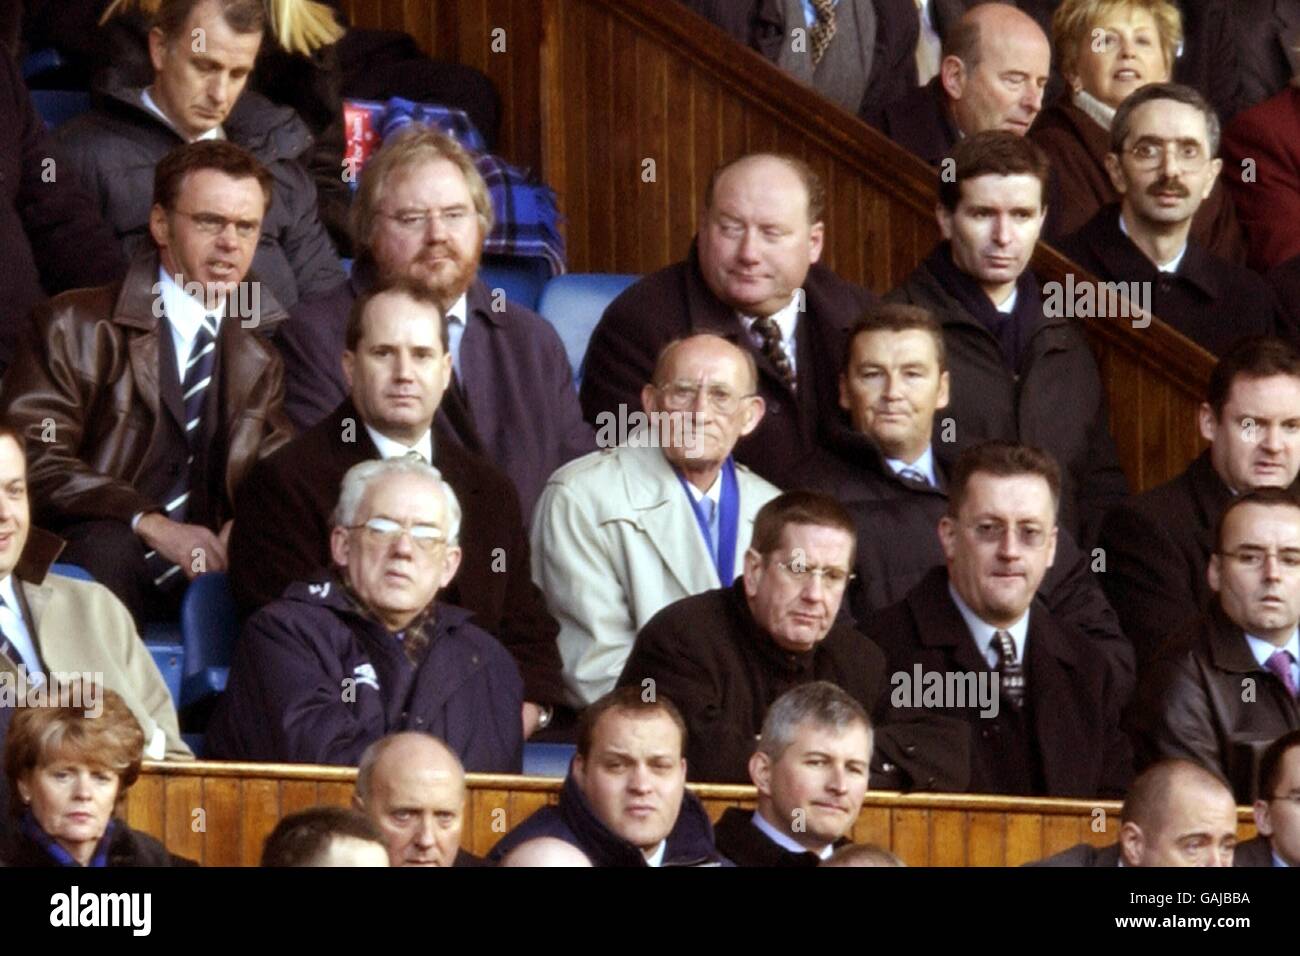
[56, 107]
[574, 303]
[41, 61]
[162, 638]
[547, 760]
[209, 626]
[521, 278]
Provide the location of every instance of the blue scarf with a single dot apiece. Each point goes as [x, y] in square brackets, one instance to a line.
[36, 833]
[724, 559]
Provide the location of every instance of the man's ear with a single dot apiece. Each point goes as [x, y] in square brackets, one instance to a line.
[760, 772]
[450, 565]
[158, 227]
[157, 49]
[948, 537]
[944, 382]
[1208, 422]
[755, 408]
[844, 393]
[648, 402]
[1115, 172]
[579, 770]
[1216, 167]
[339, 546]
[1214, 573]
[349, 362]
[1131, 843]
[1263, 821]
[952, 77]
[816, 241]
[753, 572]
[357, 803]
[943, 216]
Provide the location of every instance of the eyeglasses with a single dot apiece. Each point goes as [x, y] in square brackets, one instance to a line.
[995, 532]
[682, 396]
[213, 225]
[1150, 152]
[1253, 558]
[417, 220]
[386, 531]
[831, 578]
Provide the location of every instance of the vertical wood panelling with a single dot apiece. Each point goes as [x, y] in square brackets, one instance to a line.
[948, 835]
[224, 822]
[1024, 838]
[986, 839]
[183, 796]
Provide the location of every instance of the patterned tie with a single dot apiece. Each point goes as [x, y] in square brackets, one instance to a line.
[823, 31]
[415, 639]
[1280, 665]
[415, 456]
[774, 348]
[911, 474]
[194, 389]
[1011, 670]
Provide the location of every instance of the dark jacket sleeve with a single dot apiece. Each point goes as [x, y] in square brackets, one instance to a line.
[1101, 485]
[1173, 717]
[893, 67]
[666, 661]
[914, 749]
[621, 355]
[307, 246]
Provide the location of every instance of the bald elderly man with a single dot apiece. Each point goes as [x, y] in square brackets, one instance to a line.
[413, 788]
[1175, 814]
[546, 851]
[753, 276]
[994, 69]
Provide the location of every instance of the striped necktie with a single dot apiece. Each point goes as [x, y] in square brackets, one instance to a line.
[1010, 669]
[194, 391]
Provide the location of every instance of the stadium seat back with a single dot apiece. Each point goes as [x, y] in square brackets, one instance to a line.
[574, 303]
[209, 626]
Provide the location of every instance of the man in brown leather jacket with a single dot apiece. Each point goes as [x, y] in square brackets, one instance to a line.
[146, 402]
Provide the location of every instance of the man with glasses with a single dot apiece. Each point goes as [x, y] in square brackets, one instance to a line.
[1163, 162]
[1226, 687]
[1277, 807]
[1039, 705]
[398, 367]
[724, 656]
[423, 211]
[347, 657]
[146, 403]
[624, 531]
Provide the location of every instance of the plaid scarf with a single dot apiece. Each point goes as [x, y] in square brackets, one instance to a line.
[36, 833]
[415, 638]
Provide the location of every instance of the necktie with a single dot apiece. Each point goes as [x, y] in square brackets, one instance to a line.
[1011, 670]
[194, 389]
[710, 510]
[911, 474]
[823, 31]
[774, 349]
[1280, 665]
[35, 675]
[415, 456]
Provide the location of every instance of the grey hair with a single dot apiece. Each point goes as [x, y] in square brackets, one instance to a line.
[360, 477]
[819, 702]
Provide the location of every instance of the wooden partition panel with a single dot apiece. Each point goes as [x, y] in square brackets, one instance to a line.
[220, 814]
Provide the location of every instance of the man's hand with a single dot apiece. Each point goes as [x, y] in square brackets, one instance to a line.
[224, 537]
[532, 717]
[184, 544]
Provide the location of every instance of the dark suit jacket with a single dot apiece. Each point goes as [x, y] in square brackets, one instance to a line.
[1268, 204]
[1083, 854]
[1263, 30]
[898, 544]
[675, 302]
[1071, 702]
[1256, 852]
[282, 532]
[522, 414]
[1208, 700]
[744, 844]
[1054, 400]
[1211, 301]
[920, 123]
[1157, 546]
[1077, 147]
[708, 655]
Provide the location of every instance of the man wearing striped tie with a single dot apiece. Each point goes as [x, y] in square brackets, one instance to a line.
[146, 402]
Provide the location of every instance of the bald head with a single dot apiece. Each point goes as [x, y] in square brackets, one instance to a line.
[545, 851]
[1178, 814]
[413, 787]
[996, 61]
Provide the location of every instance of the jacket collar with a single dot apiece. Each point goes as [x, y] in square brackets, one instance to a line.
[1124, 261]
[1210, 497]
[757, 642]
[328, 591]
[39, 554]
[1226, 643]
[137, 304]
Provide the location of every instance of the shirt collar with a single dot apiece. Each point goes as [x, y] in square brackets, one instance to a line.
[1278, 861]
[1009, 305]
[657, 857]
[388, 448]
[924, 464]
[1261, 648]
[714, 493]
[982, 633]
[9, 594]
[459, 310]
[1170, 266]
[786, 319]
[183, 311]
[215, 133]
[784, 840]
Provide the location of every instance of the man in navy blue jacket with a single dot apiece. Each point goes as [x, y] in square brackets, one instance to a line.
[624, 801]
[339, 662]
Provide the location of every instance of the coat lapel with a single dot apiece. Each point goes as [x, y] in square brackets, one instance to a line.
[941, 626]
[1065, 738]
[661, 509]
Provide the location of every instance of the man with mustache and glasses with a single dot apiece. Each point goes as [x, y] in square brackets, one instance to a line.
[1053, 725]
[348, 656]
[1163, 162]
[1226, 687]
[423, 211]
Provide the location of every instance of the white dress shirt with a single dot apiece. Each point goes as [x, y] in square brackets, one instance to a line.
[1172, 265]
[215, 133]
[657, 857]
[784, 840]
[457, 322]
[924, 464]
[388, 448]
[15, 628]
[982, 633]
[787, 320]
[184, 314]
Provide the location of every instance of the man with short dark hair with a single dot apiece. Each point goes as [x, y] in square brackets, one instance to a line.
[147, 402]
[726, 655]
[879, 462]
[1157, 544]
[412, 786]
[346, 657]
[398, 368]
[624, 801]
[973, 641]
[1176, 813]
[198, 94]
[1277, 807]
[811, 770]
[1163, 161]
[1019, 371]
[752, 276]
[1226, 685]
[994, 69]
[324, 836]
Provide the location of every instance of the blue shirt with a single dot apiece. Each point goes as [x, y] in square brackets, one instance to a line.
[1263, 650]
[923, 464]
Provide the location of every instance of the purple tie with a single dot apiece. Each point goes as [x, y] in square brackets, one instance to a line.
[1280, 665]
